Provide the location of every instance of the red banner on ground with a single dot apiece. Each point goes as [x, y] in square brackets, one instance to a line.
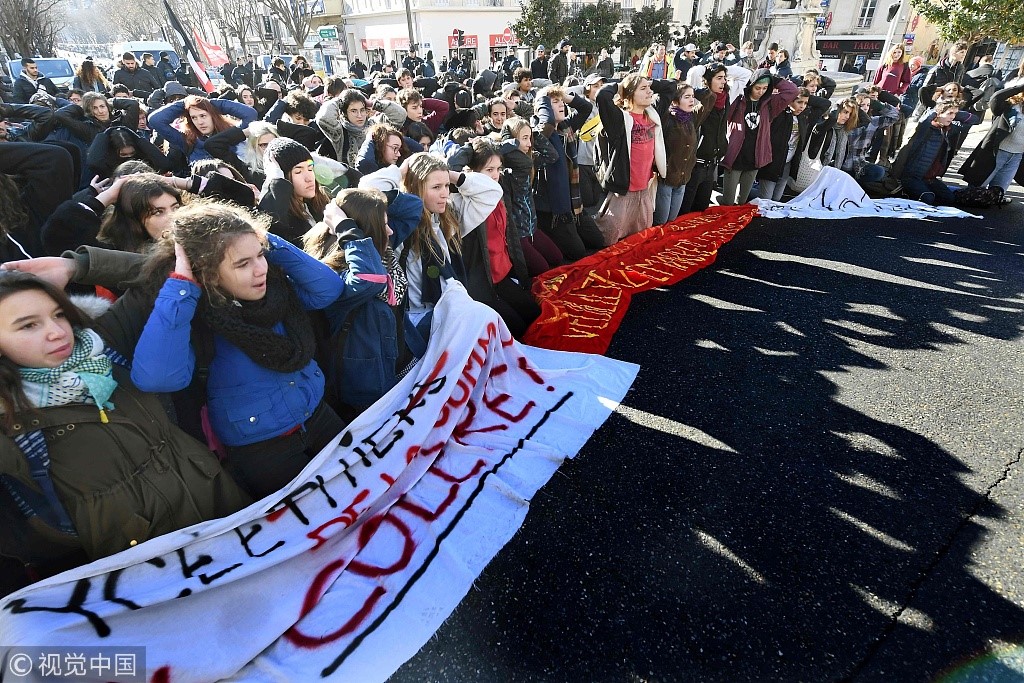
[583, 303]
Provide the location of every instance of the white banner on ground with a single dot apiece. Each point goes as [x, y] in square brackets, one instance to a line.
[835, 194]
[348, 571]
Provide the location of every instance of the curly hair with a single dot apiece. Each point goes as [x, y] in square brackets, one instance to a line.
[205, 229]
[350, 97]
[298, 102]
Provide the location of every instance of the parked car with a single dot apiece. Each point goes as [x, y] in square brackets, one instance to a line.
[57, 70]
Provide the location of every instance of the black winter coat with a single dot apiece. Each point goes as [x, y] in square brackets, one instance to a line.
[141, 82]
[102, 159]
[24, 90]
[817, 108]
[124, 111]
[982, 162]
[942, 73]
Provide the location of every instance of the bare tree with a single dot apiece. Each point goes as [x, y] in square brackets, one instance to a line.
[295, 16]
[111, 21]
[241, 19]
[192, 13]
[30, 27]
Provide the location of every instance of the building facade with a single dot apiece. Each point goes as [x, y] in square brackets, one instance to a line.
[378, 29]
[850, 36]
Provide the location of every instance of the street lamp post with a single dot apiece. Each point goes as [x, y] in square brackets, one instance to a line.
[408, 20]
[894, 21]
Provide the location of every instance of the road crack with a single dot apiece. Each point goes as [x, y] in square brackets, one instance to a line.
[939, 555]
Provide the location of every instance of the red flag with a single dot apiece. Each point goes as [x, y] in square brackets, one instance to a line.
[213, 55]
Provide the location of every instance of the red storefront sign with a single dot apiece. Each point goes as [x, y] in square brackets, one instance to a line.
[372, 44]
[506, 39]
[467, 41]
[400, 44]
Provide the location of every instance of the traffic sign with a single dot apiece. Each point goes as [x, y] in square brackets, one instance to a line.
[328, 32]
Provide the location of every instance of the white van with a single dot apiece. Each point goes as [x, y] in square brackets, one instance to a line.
[153, 47]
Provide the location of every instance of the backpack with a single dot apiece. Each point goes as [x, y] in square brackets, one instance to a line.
[883, 189]
[979, 197]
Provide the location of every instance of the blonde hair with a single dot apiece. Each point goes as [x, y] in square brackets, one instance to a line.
[421, 165]
[514, 126]
[904, 59]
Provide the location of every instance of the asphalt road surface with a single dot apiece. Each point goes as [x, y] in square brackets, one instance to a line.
[817, 476]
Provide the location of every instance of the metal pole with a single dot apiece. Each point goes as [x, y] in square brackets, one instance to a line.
[408, 21]
[897, 20]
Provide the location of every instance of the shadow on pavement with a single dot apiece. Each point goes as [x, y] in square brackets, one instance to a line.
[767, 501]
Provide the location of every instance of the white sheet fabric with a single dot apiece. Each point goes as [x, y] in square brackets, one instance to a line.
[349, 570]
[835, 194]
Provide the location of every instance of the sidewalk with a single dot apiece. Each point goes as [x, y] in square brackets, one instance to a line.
[974, 138]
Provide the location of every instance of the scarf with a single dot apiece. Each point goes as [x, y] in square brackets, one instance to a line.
[85, 377]
[841, 138]
[721, 99]
[356, 137]
[397, 282]
[249, 325]
[681, 116]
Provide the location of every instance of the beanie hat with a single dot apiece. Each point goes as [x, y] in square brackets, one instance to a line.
[463, 99]
[287, 154]
[174, 89]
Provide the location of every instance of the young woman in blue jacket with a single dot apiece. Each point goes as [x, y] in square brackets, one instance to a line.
[203, 118]
[233, 310]
[368, 326]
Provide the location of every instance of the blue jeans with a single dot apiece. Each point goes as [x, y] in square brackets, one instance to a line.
[1006, 168]
[667, 202]
[870, 173]
[915, 187]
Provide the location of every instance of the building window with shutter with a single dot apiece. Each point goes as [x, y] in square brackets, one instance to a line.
[867, 14]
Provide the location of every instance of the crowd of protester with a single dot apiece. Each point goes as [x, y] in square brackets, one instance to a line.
[252, 267]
